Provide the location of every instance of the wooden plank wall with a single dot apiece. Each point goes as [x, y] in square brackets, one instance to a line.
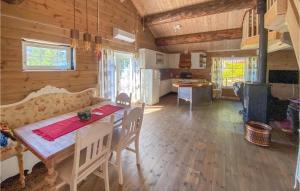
[228, 92]
[283, 60]
[279, 60]
[52, 21]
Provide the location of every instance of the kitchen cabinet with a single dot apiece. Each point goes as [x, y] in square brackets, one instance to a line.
[198, 60]
[165, 87]
[166, 61]
[161, 60]
[147, 58]
[150, 59]
[173, 60]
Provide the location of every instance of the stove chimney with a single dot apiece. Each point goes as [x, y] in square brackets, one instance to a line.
[263, 42]
[257, 95]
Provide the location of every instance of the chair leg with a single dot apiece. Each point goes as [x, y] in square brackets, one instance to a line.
[111, 155]
[119, 165]
[106, 176]
[73, 186]
[137, 150]
[19, 150]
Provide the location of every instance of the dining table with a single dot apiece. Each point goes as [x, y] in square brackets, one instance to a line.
[53, 152]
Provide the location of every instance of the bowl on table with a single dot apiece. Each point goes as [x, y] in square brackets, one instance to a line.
[84, 115]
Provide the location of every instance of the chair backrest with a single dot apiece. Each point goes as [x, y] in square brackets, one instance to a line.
[93, 144]
[131, 125]
[124, 100]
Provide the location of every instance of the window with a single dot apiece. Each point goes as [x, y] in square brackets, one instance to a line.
[42, 55]
[227, 71]
[233, 71]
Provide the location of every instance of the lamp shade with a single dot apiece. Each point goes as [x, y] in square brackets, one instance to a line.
[74, 38]
[87, 38]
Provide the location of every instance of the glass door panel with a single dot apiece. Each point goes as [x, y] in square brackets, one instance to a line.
[124, 72]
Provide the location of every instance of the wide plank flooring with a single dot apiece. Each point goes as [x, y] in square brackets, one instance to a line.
[202, 150]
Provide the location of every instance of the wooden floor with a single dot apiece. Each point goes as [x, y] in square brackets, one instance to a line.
[202, 150]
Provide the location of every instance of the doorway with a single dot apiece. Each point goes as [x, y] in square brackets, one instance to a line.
[120, 73]
[124, 72]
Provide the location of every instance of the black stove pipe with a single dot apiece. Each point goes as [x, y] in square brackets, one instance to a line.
[263, 42]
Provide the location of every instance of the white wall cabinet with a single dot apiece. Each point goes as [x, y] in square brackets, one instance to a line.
[147, 58]
[173, 60]
[161, 60]
[150, 59]
[198, 60]
[165, 87]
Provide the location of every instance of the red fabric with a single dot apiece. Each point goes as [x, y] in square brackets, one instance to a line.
[60, 128]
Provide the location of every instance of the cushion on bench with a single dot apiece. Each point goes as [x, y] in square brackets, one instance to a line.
[45, 103]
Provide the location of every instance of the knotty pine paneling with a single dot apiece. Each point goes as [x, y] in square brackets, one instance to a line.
[52, 21]
[283, 60]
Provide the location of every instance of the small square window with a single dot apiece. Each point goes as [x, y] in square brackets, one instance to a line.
[42, 55]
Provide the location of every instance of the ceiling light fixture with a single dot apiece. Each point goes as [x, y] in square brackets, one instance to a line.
[98, 38]
[74, 32]
[177, 27]
[87, 37]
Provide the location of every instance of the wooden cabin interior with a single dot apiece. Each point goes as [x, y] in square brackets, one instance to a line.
[162, 95]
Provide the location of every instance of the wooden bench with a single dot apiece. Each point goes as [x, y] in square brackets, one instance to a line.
[42, 104]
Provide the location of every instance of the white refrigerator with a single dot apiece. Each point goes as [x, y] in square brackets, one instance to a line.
[150, 83]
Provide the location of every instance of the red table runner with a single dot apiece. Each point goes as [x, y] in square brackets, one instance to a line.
[60, 128]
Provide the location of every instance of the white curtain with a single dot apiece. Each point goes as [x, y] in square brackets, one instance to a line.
[108, 75]
[217, 69]
[136, 90]
[251, 69]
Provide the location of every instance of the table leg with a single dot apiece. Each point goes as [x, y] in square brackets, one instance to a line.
[19, 150]
[51, 176]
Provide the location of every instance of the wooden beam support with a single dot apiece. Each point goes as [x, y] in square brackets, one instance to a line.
[198, 10]
[200, 37]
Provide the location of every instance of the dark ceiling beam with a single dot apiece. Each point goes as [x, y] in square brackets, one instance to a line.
[198, 10]
[227, 34]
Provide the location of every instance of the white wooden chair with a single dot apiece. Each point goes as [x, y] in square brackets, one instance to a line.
[92, 150]
[127, 134]
[123, 100]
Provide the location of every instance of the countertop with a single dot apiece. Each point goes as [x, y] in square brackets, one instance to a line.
[192, 84]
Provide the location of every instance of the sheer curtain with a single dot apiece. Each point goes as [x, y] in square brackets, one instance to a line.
[136, 86]
[108, 75]
[251, 69]
[108, 78]
[217, 70]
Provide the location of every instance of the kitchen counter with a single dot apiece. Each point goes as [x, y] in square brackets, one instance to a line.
[191, 84]
[197, 93]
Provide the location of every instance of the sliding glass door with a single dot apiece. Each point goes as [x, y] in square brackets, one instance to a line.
[123, 76]
[124, 72]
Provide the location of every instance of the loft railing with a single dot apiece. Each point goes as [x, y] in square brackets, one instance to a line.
[250, 23]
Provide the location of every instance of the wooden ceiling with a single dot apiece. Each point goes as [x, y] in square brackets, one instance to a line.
[193, 18]
[149, 7]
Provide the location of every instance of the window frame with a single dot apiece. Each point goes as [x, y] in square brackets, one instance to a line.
[233, 60]
[71, 55]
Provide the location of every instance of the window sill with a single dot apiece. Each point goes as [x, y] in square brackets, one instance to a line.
[49, 71]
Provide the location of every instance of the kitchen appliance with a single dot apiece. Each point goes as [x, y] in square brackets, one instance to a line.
[150, 83]
[186, 75]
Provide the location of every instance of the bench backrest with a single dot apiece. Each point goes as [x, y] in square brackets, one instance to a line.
[44, 103]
